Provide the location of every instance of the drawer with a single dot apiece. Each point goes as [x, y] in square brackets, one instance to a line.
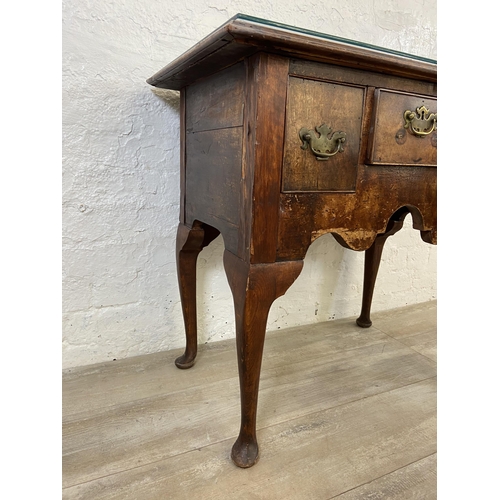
[403, 130]
[322, 136]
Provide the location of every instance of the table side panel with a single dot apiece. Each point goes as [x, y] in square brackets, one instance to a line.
[217, 101]
[213, 150]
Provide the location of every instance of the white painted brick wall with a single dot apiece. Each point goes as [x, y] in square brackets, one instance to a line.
[121, 178]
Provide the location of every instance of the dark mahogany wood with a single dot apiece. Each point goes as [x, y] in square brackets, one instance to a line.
[246, 92]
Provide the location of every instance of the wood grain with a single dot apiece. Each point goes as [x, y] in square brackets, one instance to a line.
[236, 147]
[213, 173]
[267, 87]
[306, 216]
[355, 219]
[182, 166]
[424, 343]
[405, 322]
[189, 243]
[211, 144]
[217, 101]
[372, 262]
[297, 44]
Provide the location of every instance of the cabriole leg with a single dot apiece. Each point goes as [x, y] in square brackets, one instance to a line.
[189, 243]
[254, 288]
[372, 263]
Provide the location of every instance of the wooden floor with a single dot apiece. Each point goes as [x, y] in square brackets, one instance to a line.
[344, 412]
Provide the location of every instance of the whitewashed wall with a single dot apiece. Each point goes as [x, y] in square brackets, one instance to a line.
[121, 178]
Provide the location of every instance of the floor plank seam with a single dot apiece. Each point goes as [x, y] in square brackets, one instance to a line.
[407, 337]
[146, 464]
[383, 475]
[410, 347]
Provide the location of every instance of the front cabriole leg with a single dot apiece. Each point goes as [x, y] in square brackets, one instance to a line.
[254, 288]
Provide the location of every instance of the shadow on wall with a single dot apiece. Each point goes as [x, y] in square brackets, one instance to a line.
[169, 97]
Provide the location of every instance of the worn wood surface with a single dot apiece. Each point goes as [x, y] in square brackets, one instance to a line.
[355, 219]
[404, 322]
[234, 175]
[90, 390]
[343, 411]
[182, 166]
[297, 44]
[311, 104]
[248, 89]
[306, 216]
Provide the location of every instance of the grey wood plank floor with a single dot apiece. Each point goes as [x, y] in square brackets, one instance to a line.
[344, 412]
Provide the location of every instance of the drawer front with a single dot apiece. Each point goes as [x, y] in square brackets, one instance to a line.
[322, 136]
[403, 130]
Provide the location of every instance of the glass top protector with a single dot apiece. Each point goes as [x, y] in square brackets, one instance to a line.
[325, 36]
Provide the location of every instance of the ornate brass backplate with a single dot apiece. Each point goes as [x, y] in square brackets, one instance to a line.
[420, 122]
[328, 143]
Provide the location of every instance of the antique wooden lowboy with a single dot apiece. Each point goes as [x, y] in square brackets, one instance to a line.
[287, 135]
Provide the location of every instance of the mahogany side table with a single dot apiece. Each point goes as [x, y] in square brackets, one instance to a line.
[286, 135]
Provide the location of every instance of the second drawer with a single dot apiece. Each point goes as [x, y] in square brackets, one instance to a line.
[403, 130]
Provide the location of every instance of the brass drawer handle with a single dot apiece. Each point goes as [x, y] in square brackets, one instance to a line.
[326, 145]
[421, 122]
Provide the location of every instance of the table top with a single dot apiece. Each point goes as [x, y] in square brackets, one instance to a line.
[243, 35]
